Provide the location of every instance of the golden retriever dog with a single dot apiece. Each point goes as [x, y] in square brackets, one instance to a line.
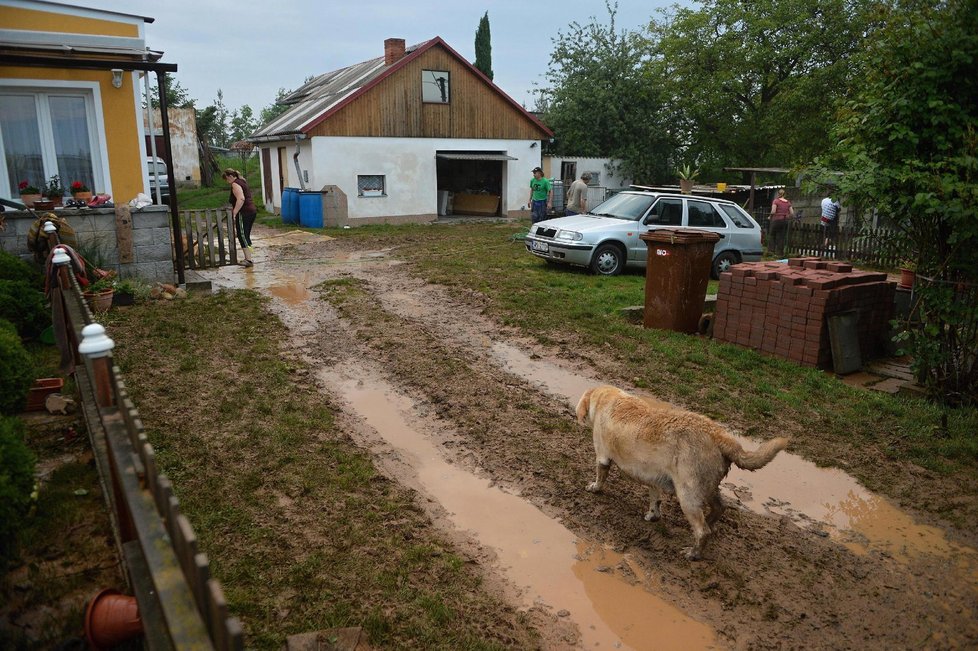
[669, 450]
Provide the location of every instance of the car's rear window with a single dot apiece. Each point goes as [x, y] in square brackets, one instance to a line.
[739, 219]
[704, 215]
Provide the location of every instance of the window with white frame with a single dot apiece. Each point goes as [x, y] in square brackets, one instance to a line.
[47, 132]
[371, 185]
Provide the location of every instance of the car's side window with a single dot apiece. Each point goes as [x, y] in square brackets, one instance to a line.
[666, 212]
[737, 216]
[704, 215]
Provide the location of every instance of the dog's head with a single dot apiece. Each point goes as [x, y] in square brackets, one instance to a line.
[584, 407]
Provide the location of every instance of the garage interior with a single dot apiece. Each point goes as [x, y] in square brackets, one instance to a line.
[471, 183]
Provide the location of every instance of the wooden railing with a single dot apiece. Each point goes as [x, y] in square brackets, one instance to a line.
[180, 605]
[877, 247]
[209, 239]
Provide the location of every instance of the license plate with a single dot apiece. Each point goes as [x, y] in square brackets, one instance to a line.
[542, 247]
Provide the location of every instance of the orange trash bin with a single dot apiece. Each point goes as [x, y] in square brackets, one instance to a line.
[676, 276]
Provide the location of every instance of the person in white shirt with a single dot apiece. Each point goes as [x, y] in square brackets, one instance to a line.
[577, 195]
[831, 211]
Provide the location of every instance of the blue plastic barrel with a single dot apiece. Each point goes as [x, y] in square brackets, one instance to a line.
[290, 206]
[311, 209]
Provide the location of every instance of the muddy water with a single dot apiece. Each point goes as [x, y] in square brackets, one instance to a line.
[602, 591]
[791, 486]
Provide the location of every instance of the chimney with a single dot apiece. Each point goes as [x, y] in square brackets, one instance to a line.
[393, 50]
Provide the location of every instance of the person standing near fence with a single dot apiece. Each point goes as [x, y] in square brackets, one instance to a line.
[831, 211]
[540, 196]
[243, 211]
[781, 212]
[577, 195]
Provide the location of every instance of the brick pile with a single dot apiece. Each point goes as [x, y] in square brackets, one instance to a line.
[783, 309]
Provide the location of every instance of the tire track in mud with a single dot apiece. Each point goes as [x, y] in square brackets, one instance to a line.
[767, 584]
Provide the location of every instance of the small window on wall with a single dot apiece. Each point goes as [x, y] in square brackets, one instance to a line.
[595, 178]
[434, 86]
[371, 185]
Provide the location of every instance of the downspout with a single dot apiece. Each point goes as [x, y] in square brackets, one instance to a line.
[152, 137]
[295, 159]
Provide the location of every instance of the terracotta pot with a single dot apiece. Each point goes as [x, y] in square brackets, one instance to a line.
[685, 186]
[907, 278]
[111, 618]
[81, 196]
[99, 301]
[29, 199]
[43, 204]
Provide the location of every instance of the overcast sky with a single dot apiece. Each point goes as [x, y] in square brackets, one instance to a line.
[251, 48]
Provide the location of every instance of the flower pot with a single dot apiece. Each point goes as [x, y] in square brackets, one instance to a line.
[686, 186]
[99, 301]
[82, 196]
[43, 204]
[43, 387]
[29, 199]
[123, 298]
[111, 618]
[907, 277]
[57, 201]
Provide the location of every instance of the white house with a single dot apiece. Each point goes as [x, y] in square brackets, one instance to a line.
[402, 138]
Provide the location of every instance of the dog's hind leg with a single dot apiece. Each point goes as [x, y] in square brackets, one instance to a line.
[693, 508]
[655, 502]
[716, 509]
[602, 469]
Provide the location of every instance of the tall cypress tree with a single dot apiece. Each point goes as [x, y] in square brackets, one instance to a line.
[483, 47]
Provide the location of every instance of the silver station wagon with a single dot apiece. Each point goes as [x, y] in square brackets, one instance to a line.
[607, 238]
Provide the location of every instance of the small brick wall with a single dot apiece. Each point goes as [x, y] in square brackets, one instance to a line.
[783, 309]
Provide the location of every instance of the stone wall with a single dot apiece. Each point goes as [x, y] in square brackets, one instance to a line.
[149, 257]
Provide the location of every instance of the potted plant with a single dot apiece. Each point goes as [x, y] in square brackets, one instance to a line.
[28, 193]
[54, 191]
[687, 176]
[80, 191]
[99, 294]
[125, 292]
[908, 273]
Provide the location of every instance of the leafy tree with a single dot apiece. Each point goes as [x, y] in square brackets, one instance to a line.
[243, 123]
[908, 142]
[219, 123]
[756, 82]
[483, 47]
[176, 95]
[600, 103]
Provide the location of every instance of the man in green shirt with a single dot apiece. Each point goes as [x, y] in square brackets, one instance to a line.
[539, 196]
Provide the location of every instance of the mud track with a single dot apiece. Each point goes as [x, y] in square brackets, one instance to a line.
[361, 319]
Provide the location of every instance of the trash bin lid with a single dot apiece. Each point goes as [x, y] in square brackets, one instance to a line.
[679, 236]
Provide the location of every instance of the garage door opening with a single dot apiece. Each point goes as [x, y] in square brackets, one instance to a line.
[471, 183]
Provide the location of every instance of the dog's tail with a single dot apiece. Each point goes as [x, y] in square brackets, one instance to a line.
[584, 406]
[757, 458]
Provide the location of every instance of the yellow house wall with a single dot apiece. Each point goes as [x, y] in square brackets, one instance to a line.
[119, 109]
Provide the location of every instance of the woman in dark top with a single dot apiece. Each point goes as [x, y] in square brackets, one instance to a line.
[243, 211]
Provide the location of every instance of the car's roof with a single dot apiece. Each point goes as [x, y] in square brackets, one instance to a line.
[672, 195]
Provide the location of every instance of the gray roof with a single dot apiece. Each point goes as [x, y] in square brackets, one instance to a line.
[321, 94]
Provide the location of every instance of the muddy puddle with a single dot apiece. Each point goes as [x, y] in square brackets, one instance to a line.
[822, 498]
[600, 591]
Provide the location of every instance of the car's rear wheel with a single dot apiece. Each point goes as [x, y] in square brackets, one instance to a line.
[723, 262]
[608, 260]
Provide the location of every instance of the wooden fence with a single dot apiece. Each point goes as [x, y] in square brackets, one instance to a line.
[209, 239]
[180, 605]
[876, 247]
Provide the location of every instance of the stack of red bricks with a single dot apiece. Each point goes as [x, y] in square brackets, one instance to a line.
[784, 309]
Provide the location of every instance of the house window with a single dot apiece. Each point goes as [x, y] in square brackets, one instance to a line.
[434, 86]
[595, 178]
[47, 133]
[371, 185]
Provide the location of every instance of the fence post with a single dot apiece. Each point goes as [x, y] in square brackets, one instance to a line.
[95, 345]
[52, 232]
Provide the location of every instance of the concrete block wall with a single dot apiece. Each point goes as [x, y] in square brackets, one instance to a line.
[97, 239]
[783, 309]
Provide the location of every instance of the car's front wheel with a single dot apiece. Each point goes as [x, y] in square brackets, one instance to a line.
[723, 263]
[608, 260]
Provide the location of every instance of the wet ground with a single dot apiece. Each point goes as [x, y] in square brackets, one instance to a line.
[479, 421]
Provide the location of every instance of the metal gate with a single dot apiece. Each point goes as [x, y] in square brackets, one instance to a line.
[208, 238]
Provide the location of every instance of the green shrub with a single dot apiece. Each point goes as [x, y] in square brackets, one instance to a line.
[24, 306]
[16, 370]
[13, 268]
[16, 483]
